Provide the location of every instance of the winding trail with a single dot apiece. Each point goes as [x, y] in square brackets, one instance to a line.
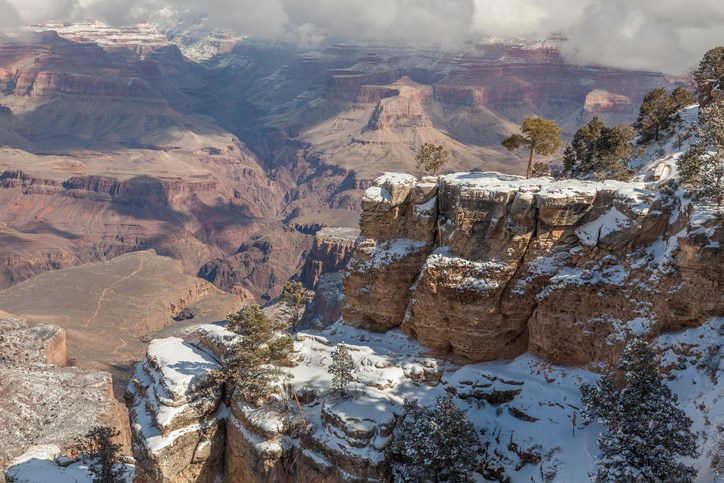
[117, 350]
[105, 291]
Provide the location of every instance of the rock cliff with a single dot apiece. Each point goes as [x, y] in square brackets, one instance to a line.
[176, 413]
[331, 250]
[487, 266]
[44, 403]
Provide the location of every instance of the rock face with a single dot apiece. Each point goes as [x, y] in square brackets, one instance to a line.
[330, 252]
[327, 304]
[176, 413]
[487, 266]
[43, 403]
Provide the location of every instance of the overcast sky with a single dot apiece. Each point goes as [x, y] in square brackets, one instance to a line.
[667, 35]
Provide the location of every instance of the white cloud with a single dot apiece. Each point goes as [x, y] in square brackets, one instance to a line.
[668, 35]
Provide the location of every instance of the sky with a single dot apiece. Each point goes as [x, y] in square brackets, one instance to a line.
[665, 35]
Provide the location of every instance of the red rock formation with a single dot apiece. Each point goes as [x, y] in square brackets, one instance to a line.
[331, 250]
[563, 270]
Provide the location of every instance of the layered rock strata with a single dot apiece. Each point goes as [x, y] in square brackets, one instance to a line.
[177, 413]
[487, 266]
[331, 251]
[42, 402]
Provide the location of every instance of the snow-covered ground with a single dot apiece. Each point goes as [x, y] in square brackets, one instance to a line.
[523, 407]
[43, 464]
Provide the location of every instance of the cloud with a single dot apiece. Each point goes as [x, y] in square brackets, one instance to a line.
[667, 35]
[9, 17]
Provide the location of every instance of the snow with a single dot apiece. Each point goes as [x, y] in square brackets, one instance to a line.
[38, 465]
[376, 194]
[610, 275]
[635, 195]
[611, 221]
[384, 253]
[395, 178]
[429, 205]
[181, 366]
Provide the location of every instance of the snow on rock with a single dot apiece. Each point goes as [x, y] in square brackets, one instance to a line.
[527, 410]
[176, 410]
[610, 222]
[385, 253]
[388, 191]
[181, 368]
[342, 437]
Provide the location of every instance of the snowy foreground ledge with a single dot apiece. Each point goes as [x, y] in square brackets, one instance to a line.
[45, 464]
[527, 409]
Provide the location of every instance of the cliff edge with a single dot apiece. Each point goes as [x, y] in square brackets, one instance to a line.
[487, 266]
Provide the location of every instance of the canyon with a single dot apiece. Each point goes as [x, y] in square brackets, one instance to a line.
[153, 182]
[115, 141]
[503, 292]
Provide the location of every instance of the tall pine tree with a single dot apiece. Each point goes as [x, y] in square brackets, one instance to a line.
[251, 361]
[341, 368]
[701, 167]
[646, 432]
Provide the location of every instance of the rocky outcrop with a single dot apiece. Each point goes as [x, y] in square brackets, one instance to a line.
[562, 269]
[398, 112]
[183, 431]
[177, 413]
[398, 225]
[331, 250]
[598, 101]
[307, 433]
[43, 403]
[327, 304]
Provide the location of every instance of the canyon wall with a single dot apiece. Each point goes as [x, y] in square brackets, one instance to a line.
[486, 266]
[43, 402]
[186, 429]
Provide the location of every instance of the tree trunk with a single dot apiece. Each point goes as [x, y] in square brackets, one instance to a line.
[529, 173]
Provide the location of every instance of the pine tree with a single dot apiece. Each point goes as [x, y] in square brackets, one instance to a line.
[654, 115]
[645, 430]
[701, 167]
[294, 295]
[104, 454]
[432, 157]
[681, 97]
[709, 75]
[434, 444]
[341, 368]
[540, 136]
[599, 152]
[251, 360]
